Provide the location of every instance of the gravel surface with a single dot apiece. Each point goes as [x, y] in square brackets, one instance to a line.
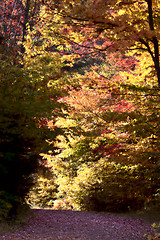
[74, 225]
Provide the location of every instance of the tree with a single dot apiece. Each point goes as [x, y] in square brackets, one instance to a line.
[31, 84]
[105, 107]
[14, 15]
[113, 164]
[110, 124]
[124, 25]
[28, 106]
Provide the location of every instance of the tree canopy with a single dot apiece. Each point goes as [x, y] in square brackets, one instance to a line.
[123, 25]
[95, 129]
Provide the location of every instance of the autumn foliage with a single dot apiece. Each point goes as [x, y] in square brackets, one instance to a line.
[87, 138]
[114, 164]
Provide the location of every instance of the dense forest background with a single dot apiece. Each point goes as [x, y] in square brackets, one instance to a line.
[80, 106]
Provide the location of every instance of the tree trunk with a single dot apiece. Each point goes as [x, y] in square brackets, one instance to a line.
[156, 58]
[24, 24]
[158, 73]
[154, 41]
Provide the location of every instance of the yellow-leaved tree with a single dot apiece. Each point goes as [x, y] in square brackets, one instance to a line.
[122, 24]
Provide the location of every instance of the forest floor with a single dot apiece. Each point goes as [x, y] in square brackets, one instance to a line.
[47, 224]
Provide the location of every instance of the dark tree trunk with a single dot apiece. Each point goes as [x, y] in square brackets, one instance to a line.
[24, 24]
[154, 40]
[156, 59]
[158, 74]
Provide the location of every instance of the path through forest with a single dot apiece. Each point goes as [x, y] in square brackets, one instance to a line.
[73, 225]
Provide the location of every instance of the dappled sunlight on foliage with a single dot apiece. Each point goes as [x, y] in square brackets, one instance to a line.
[80, 105]
[114, 164]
